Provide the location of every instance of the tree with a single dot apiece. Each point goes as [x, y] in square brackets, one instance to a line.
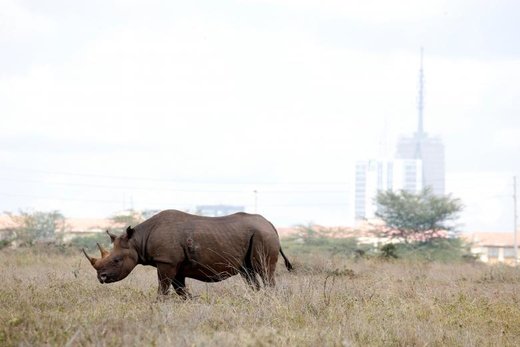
[38, 226]
[126, 218]
[417, 217]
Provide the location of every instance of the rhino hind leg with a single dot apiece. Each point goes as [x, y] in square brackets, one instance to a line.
[247, 270]
[267, 274]
[249, 275]
[264, 259]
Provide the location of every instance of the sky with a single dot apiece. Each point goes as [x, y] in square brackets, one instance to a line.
[108, 105]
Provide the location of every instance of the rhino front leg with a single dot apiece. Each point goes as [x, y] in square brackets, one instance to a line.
[164, 275]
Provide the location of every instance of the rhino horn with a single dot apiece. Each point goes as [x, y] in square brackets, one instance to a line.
[112, 236]
[104, 252]
[92, 260]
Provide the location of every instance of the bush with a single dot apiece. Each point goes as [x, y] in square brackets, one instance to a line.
[388, 251]
[4, 243]
[439, 249]
[37, 226]
[326, 245]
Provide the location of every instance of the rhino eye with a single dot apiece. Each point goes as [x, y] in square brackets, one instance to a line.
[118, 259]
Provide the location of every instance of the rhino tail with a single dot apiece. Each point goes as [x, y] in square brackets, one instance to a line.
[288, 264]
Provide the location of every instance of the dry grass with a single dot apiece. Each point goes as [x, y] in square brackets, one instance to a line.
[56, 300]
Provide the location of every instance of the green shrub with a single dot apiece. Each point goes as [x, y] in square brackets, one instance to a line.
[439, 249]
[89, 242]
[388, 251]
[4, 243]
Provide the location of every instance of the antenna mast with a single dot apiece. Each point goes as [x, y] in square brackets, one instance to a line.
[419, 136]
[420, 101]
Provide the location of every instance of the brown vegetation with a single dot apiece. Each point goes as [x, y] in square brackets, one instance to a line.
[52, 299]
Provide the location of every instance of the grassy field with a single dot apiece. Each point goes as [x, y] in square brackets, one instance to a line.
[52, 299]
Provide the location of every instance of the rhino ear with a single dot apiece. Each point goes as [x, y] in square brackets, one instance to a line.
[129, 232]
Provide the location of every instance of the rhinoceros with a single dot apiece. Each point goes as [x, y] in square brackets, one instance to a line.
[181, 245]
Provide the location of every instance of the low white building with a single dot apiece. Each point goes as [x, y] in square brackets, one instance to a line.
[493, 248]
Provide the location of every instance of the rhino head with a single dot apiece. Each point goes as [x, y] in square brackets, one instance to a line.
[115, 265]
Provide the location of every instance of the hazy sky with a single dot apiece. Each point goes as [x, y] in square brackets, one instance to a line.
[107, 105]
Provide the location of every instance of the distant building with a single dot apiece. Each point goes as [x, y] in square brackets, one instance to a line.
[430, 151]
[218, 210]
[492, 248]
[373, 176]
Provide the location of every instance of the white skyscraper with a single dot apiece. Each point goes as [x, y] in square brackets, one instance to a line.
[430, 151]
[373, 176]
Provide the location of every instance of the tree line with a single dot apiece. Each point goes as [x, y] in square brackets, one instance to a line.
[39, 227]
[413, 223]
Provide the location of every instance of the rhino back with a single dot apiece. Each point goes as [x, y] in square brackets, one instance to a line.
[175, 237]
